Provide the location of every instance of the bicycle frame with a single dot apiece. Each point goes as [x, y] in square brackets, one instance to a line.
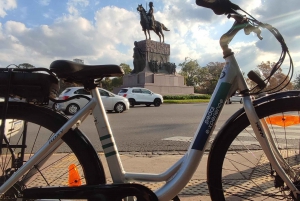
[180, 173]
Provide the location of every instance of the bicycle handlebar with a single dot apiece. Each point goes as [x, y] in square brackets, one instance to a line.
[249, 24]
[218, 6]
[240, 23]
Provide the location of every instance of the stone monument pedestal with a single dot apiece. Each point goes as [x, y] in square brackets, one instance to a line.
[159, 77]
[159, 83]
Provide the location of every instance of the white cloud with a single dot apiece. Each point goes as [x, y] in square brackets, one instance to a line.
[6, 5]
[75, 37]
[16, 28]
[74, 6]
[108, 36]
[44, 2]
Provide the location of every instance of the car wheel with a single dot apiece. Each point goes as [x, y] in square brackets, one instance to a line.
[72, 109]
[148, 104]
[241, 101]
[131, 102]
[157, 102]
[55, 106]
[119, 108]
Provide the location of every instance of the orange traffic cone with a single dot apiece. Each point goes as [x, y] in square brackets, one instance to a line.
[74, 177]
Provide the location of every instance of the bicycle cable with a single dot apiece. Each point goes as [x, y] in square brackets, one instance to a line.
[286, 81]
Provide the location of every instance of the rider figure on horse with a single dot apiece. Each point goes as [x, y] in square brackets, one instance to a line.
[151, 16]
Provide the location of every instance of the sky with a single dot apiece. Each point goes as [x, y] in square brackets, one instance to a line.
[103, 32]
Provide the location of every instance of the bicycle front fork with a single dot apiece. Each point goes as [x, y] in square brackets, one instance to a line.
[266, 141]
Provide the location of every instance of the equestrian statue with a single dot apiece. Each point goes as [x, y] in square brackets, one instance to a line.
[149, 23]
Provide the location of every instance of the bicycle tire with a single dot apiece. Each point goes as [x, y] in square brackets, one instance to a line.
[232, 174]
[76, 149]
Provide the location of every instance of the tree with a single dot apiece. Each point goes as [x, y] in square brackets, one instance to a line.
[213, 71]
[126, 68]
[279, 78]
[106, 84]
[26, 66]
[297, 82]
[204, 79]
[109, 84]
[190, 70]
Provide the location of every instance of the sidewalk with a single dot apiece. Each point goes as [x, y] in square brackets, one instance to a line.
[196, 189]
[247, 182]
[241, 181]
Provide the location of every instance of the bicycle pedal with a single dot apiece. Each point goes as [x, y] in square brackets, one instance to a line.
[102, 192]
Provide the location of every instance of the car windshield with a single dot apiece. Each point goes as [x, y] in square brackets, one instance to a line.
[123, 90]
[82, 91]
[66, 91]
[103, 93]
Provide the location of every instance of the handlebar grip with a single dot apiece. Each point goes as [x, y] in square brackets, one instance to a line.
[219, 7]
[257, 79]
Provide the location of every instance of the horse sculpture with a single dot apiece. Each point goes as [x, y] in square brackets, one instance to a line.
[159, 27]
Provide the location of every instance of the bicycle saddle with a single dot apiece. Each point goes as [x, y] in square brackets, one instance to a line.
[219, 7]
[76, 72]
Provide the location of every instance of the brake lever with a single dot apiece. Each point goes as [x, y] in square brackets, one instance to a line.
[249, 28]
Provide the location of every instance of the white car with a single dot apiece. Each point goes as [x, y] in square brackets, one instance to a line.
[111, 102]
[235, 98]
[138, 96]
[12, 126]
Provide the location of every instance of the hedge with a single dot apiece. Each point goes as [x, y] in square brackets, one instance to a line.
[186, 97]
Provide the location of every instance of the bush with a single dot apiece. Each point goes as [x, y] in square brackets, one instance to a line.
[187, 97]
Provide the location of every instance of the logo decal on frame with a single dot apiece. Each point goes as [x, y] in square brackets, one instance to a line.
[222, 75]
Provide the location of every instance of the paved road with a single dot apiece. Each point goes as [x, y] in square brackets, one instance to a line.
[144, 128]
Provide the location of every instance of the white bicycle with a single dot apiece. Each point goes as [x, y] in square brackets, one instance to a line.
[266, 168]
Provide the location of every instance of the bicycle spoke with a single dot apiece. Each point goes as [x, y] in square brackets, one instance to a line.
[53, 173]
[248, 172]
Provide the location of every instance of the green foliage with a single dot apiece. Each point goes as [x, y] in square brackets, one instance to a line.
[297, 82]
[189, 70]
[186, 97]
[204, 79]
[25, 65]
[106, 84]
[211, 76]
[109, 83]
[126, 68]
[117, 81]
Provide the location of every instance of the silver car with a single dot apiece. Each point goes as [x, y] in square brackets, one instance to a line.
[235, 98]
[111, 102]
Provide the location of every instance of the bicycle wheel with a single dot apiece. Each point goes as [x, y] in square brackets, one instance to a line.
[237, 167]
[41, 124]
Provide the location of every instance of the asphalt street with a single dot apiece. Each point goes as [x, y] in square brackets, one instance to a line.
[145, 129]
